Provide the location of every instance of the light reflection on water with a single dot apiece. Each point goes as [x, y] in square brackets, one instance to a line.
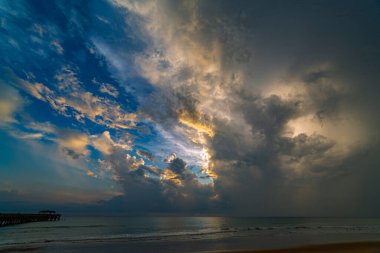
[180, 228]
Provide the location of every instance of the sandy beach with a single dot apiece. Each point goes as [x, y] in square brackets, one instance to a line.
[356, 247]
[193, 247]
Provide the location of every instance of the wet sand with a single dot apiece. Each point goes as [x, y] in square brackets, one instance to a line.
[358, 247]
[355, 247]
[269, 243]
[351, 247]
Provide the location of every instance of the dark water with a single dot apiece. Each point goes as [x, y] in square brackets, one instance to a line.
[136, 229]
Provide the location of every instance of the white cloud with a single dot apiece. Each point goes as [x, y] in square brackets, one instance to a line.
[10, 103]
[31, 136]
[133, 163]
[45, 127]
[74, 141]
[71, 100]
[109, 89]
[105, 144]
[57, 46]
[177, 59]
[67, 79]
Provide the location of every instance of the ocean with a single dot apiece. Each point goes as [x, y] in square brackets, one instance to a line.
[209, 233]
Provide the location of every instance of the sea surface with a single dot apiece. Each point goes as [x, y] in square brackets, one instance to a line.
[168, 229]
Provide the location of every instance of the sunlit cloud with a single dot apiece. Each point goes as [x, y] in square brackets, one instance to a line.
[10, 103]
[74, 142]
[192, 105]
[74, 101]
[105, 144]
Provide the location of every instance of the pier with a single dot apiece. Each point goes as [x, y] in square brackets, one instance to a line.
[7, 219]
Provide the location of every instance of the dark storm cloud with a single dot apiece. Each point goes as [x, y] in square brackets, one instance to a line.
[147, 189]
[300, 38]
[298, 84]
[145, 154]
[72, 153]
[325, 98]
[177, 165]
[303, 145]
[164, 104]
[278, 97]
[268, 115]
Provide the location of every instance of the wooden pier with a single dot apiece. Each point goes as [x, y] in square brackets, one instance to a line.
[7, 219]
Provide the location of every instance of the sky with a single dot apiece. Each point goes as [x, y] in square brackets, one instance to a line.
[257, 108]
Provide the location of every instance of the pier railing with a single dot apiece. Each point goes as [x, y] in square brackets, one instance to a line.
[7, 219]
